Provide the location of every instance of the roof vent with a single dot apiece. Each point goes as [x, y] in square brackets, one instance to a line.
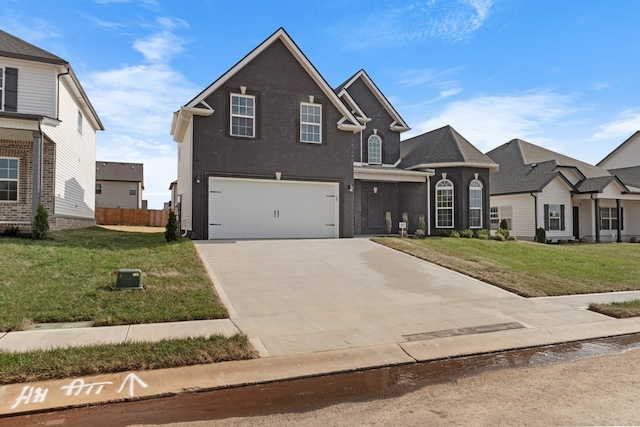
[533, 165]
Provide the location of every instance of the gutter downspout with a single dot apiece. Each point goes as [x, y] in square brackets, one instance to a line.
[58, 95]
[597, 224]
[360, 146]
[535, 212]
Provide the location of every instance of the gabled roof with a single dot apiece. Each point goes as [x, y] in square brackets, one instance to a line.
[13, 47]
[619, 147]
[347, 123]
[628, 176]
[398, 124]
[525, 168]
[119, 171]
[443, 147]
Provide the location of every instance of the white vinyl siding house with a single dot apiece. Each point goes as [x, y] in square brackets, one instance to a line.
[185, 178]
[556, 193]
[36, 86]
[522, 213]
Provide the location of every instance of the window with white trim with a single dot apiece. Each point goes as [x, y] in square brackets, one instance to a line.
[475, 204]
[98, 188]
[444, 204]
[499, 213]
[608, 218]
[79, 122]
[554, 217]
[243, 115]
[133, 189]
[374, 148]
[8, 179]
[310, 123]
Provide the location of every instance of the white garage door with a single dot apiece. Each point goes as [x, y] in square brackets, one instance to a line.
[263, 209]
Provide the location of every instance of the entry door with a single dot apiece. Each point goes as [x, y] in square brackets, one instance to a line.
[576, 222]
[374, 211]
[264, 209]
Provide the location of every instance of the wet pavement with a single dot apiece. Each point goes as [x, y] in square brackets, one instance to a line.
[301, 395]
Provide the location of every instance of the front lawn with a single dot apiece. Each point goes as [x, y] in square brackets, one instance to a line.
[69, 277]
[532, 269]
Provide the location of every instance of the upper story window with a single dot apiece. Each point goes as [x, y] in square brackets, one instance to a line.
[133, 189]
[243, 115]
[374, 144]
[98, 188]
[475, 204]
[9, 89]
[311, 123]
[8, 179]
[444, 204]
[79, 122]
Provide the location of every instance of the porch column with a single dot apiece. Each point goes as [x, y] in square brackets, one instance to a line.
[36, 180]
[597, 203]
[618, 213]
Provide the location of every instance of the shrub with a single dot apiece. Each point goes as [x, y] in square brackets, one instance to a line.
[171, 230]
[632, 239]
[446, 233]
[468, 233]
[405, 218]
[483, 234]
[11, 231]
[420, 233]
[499, 237]
[387, 219]
[504, 224]
[541, 235]
[512, 238]
[503, 232]
[40, 224]
[454, 234]
[421, 224]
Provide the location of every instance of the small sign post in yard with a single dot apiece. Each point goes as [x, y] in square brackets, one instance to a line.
[403, 229]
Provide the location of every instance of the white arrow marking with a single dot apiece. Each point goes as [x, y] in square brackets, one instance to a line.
[131, 379]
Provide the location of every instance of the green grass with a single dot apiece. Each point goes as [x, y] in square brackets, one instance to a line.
[92, 360]
[70, 276]
[533, 269]
[620, 310]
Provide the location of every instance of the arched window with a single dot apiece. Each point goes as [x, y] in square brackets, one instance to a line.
[374, 144]
[475, 204]
[444, 204]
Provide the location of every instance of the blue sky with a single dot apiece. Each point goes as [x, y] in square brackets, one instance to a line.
[561, 74]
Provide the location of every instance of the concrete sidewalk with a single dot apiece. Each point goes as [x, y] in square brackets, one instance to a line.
[317, 307]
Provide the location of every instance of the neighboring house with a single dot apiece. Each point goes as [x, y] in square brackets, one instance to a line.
[173, 204]
[269, 150]
[119, 185]
[570, 199]
[47, 139]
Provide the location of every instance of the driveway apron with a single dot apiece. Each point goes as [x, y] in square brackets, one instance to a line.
[301, 296]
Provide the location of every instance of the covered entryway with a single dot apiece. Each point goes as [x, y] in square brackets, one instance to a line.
[262, 209]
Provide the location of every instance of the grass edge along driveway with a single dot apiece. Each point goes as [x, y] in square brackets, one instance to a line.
[532, 269]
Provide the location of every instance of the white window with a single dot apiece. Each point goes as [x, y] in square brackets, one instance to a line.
[498, 214]
[79, 122]
[374, 144]
[475, 204]
[554, 217]
[243, 115]
[8, 179]
[608, 219]
[444, 204]
[311, 123]
[98, 188]
[133, 190]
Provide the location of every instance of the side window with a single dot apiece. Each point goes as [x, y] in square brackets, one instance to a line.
[8, 179]
[311, 123]
[79, 122]
[374, 150]
[98, 188]
[444, 204]
[475, 204]
[133, 189]
[243, 116]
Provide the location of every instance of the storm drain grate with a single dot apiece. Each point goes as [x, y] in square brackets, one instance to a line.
[463, 331]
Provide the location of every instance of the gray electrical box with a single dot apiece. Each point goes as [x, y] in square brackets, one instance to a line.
[130, 278]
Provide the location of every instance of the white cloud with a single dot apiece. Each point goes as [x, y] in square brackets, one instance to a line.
[404, 24]
[489, 121]
[627, 124]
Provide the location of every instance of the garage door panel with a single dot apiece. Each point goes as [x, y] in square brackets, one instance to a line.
[248, 208]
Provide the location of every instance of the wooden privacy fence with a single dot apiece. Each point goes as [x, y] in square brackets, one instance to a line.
[145, 217]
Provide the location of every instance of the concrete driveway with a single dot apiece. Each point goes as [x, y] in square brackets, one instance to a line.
[301, 296]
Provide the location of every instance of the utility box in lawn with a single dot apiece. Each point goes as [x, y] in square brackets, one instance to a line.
[130, 278]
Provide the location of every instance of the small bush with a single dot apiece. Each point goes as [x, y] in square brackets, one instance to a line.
[504, 224]
[499, 237]
[512, 238]
[40, 224]
[467, 234]
[421, 224]
[454, 234]
[541, 235]
[11, 231]
[388, 222]
[171, 230]
[632, 239]
[503, 232]
[405, 218]
[445, 233]
[483, 234]
[420, 233]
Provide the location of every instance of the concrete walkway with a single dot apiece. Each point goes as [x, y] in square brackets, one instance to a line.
[314, 307]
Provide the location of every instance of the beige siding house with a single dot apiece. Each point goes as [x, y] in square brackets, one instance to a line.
[119, 185]
[47, 139]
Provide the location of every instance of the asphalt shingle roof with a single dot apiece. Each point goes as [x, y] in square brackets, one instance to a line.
[628, 176]
[444, 145]
[115, 171]
[13, 47]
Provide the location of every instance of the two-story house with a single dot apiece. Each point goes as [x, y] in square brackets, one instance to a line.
[119, 185]
[270, 150]
[47, 139]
